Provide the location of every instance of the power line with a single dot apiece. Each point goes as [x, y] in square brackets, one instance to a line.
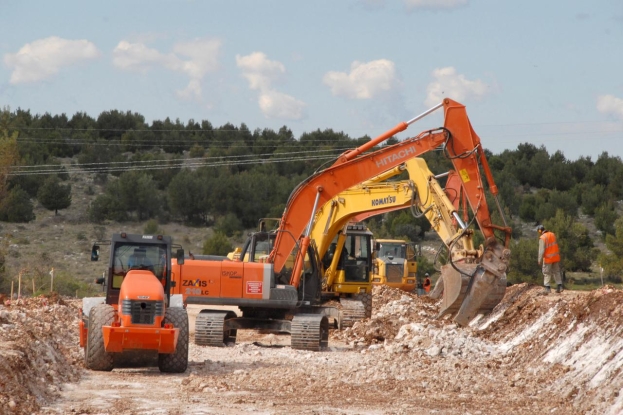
[184, 160]
[73, 170]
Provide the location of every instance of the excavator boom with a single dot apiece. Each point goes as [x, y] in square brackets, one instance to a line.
[424, 195]
[460, 144]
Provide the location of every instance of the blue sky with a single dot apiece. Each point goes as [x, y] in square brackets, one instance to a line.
[543, 72]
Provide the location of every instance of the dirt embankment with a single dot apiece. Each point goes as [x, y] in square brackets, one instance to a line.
[533, 354]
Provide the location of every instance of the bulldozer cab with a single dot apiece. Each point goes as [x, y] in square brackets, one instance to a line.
[392, 249]
[397, 249]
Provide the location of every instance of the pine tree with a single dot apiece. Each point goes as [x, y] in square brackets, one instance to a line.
[53, 195]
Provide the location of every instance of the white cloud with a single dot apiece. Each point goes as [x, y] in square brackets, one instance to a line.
[609, 104]
[275, 104]
[195, 59]
[44, 58]
[365, 80]
[138, 57]
[192, 92]
[260, 71]
[449, 84]
[203, 54]
[434, 4]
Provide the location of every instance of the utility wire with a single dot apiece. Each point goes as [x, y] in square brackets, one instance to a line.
[71, 169]
[182, 160]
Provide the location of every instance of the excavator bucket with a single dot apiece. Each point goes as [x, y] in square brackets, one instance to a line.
[472, 289]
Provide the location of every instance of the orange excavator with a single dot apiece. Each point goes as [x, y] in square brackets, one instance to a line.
[283, 291]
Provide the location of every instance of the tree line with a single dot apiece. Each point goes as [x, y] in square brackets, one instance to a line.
[229, 176]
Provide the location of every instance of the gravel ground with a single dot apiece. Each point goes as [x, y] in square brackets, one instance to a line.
[560, 353]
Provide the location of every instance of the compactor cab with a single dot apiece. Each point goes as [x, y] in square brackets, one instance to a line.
[138, 319]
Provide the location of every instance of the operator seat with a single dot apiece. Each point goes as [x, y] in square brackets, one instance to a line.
[139, 260]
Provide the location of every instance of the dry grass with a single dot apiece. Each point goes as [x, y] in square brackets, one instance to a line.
[63, 242]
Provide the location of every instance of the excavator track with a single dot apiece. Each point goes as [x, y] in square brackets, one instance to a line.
[309, 332]
[366, 300]
[210, 329]
[351, 311]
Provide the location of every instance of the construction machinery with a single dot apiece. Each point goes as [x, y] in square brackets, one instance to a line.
[139, 321]
[395, 264]
[345, 253]
[282, 291]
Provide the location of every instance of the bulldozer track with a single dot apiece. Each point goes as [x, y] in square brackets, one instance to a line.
[210, 329]
[309, 332]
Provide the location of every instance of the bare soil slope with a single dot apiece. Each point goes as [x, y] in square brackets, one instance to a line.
[534, 354]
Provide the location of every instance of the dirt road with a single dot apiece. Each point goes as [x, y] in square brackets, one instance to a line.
[534, 354]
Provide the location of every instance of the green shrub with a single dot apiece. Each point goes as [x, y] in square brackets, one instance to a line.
[152, 227]
[218, 244]
[196, 151]
[16, 207]
[229, 224]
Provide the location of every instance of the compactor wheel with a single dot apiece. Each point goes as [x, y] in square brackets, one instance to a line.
[210, 329]
[96, 357]
[366, 300]
[309, 332]
[176, 362]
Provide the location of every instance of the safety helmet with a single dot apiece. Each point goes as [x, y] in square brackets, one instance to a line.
[426, 275]
[540, 228]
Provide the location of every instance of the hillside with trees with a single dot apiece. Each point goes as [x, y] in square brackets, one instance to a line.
[228, 177]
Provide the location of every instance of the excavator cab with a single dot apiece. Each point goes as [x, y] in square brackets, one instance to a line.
[256, 248]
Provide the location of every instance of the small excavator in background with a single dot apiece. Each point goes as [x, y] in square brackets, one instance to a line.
[283, 291]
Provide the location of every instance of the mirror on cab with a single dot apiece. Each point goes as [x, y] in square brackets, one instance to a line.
[100, 281]
[179, 255]
[95, 253]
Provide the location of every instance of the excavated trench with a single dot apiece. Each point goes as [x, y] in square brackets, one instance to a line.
[560, 353]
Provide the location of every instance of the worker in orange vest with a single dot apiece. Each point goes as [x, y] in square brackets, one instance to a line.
[549, 258]
[427, 283]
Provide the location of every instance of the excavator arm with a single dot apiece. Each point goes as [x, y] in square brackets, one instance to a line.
[423, 194]
[461, 145]
[474, 280]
